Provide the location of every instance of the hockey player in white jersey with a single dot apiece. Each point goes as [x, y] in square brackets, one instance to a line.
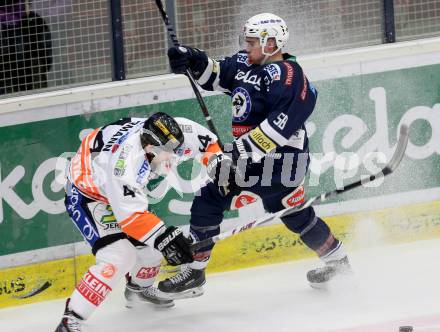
[106, 198]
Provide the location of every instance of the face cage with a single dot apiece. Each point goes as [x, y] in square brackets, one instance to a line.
[255, 33]
[163, 161]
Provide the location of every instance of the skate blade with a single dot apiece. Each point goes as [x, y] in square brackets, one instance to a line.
[139, 304]
[341, 281]
[319, 285]
[190, 293]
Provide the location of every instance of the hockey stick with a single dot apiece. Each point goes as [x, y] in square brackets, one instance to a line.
[173, 37]
[388, 169]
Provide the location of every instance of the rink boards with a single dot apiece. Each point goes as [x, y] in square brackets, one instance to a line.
[264, 245]
[364, 95]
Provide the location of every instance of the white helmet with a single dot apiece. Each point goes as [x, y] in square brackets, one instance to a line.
[265, 26]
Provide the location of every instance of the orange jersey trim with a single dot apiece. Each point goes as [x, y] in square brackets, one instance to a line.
[81, 169]
[139, 224]
[212, 149]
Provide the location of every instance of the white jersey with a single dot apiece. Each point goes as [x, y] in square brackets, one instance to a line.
[110, 166]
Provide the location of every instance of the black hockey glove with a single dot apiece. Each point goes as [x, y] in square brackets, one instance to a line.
[183, 57]
[228, 170]
[174, 246]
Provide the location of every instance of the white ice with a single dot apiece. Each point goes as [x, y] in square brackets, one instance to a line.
[394, 285]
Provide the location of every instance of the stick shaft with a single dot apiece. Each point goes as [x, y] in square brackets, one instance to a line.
[192, 81]
[388, 169]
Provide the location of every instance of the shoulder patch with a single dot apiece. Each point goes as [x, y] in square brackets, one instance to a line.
[143, 172]
[274, 71]
[186, 128]
[243, 58]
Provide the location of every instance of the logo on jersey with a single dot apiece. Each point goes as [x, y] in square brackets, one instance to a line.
[261, 140]
[116, 138]
[119, 142]
[243, 58]
[186, 128]
[148, 272]
[294, 199]
[108, 271]
[289, 75]
[143, 172]
[274, 71]
[81, 219]
[103, 214]
[304, 89]
[119, 169]
[245, 198]
[246, 77]
[241, 104]
[237, 130]
[183, 151]
[93, 289]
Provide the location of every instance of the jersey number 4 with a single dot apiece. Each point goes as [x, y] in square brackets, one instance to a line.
[204, 140]
[128, 191]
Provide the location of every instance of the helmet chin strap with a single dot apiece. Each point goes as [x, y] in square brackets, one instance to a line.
[266, 57]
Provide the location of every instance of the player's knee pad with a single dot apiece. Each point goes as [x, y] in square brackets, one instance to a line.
[112, 263]
[147, 266]
[294, 198]
[243, 199]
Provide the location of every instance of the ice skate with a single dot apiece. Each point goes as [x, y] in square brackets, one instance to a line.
[71, 322]
[185, 284]
[136, 295]
[320, 277]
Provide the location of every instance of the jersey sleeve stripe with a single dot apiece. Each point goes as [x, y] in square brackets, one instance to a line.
[272, 133]
[261, 140]
[207, 73]
[81, 169]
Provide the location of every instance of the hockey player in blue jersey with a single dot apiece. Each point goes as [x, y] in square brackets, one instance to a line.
[271, 100]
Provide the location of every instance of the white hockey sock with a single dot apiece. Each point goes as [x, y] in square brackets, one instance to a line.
[147, 266]
[336, 254]
[112, 263]
[201, 260]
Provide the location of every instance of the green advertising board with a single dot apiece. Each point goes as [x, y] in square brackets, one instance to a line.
[357, 114]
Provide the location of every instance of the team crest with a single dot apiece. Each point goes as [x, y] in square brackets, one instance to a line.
[241, 104]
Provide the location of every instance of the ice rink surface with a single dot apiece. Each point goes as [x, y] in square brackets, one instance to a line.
[393, 286]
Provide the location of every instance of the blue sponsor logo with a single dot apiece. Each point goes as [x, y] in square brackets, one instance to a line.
[143, 171]
[274, 71]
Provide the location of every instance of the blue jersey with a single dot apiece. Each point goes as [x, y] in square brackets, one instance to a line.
[270, 103]
[276, 97]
